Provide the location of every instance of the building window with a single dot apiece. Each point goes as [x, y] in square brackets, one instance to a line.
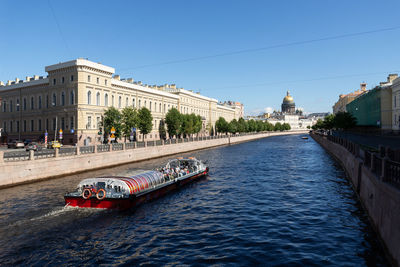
[17, 126]
[24, 103]
[11, 127]
[54, 124]
[112, 100]
[72, 78]
[140, 103]
[47, 124]
[47, 101]
[17, 105]
[105, 82]
[40, 102]
[54, 100]
[106, 100]
[72, 98]
[126, 102]
[24, 125]
[62, 80]
[98, 99]
[145, 104]
[62, 123]
[11, 106]
[133, 103]
[150, 105]
[89, 122]
[164, 108]
[89, 98]
[62, 99]
[159, 108]
[54, 81]
[39, 125]
[5, 126]
[88, 78]
[32, 102]
[97, 80]
[98, 122]
[119, 101]
[72, 122]
[32, 126]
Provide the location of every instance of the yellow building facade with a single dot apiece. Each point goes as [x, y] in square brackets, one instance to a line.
[75, 94]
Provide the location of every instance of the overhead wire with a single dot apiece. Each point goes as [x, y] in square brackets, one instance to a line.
[341, 36]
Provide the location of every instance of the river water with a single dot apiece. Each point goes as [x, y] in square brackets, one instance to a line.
[275, 201]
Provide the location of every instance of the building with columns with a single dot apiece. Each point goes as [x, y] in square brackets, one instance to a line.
[75, 94]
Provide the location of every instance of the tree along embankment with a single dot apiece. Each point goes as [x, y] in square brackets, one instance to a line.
[25, 171]
[376, 181]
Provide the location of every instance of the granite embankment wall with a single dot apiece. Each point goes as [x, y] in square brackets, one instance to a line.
[14, 173]
[380, 199]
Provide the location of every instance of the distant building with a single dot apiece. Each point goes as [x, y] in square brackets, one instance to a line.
[288, 105]
[340, 105]
[374, 107]
[75, 94]
[396, 105]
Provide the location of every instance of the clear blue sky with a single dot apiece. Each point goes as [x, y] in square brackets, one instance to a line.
[130, 34]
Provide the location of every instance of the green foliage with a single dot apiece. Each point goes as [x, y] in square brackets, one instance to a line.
[344, 120]
[278, 126]
[242, 126]
[260, 126]
[286, 127]
[252, 126]
[233, 126]
[112, 118]
[187, 127]
[174, 122]
[145, 121]
[269, 126]
[221, 125]
[129, 120]
[161, 130]
[341, 120]
[198, 125]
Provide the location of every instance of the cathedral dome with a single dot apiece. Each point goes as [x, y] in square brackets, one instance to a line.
[288, 99]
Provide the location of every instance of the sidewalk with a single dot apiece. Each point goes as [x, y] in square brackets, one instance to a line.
[370, 140]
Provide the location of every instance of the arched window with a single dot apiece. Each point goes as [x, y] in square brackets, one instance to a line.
[106, 100]
[159, 110]
[72, 98]
[133, 102]
[40, 102]
[11, 106]
[17, 105]
[140, 103]
[54, 100]
[98, 99]
[150, 105]
[62, 99]
[126, 102]
[32, 102]
[112, 100]
[119, 101]
[24, 103]
[89, 97]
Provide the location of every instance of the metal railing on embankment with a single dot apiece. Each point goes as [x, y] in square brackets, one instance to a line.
[385, 164]
[10, 156]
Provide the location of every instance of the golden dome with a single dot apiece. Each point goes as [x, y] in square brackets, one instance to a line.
[288, 98]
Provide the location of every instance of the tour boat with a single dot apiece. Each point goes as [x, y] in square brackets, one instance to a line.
[117, 192]
[304, 137]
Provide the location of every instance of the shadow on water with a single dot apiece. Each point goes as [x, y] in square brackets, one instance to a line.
[274, 201]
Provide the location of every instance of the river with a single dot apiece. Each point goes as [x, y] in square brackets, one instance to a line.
[275, 201]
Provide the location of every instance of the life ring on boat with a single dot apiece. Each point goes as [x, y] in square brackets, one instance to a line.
[98, 195]
[86, 193]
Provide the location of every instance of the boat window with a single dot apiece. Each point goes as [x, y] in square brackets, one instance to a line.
[101, 185]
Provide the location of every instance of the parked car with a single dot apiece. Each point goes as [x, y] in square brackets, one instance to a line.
[54, 144]
[33, 146]
[27, 141]
[16, 144]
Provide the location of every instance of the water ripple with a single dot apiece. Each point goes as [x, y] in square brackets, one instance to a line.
[280, 201]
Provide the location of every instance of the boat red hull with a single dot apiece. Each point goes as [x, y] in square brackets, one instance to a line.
[127, 203]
